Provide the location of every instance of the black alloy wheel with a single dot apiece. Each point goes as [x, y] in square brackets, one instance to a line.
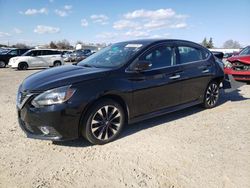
[211, 95]
[104, 122]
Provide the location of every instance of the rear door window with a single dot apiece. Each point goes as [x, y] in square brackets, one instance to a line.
[190, 54]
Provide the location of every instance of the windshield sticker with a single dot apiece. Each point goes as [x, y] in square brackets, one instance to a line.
[133, 45]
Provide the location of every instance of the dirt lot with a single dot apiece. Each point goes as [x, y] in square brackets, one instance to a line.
[190, 148]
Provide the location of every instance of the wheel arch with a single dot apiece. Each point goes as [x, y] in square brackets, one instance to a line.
[218, 79]
[23, 62]
[115, 97]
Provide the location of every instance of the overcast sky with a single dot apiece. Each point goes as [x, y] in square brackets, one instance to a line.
[41, 21]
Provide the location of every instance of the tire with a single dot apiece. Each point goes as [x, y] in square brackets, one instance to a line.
[2, 64]
[211, 95]
[57, 63]
[100, 127]
[22, 66]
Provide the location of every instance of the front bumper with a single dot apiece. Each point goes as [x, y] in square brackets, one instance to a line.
[55, 122]
[238, 75]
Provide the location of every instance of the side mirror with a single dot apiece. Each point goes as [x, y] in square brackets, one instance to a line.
[142, 65]
[219, 55]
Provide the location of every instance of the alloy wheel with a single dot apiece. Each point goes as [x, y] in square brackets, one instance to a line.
[106, 122]
[212, 94]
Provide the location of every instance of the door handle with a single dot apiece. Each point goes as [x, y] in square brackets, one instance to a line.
[174, 77]
[205, 71]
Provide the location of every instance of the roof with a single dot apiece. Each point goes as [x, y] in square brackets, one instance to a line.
[159, 40]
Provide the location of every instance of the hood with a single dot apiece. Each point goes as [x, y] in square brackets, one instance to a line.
[243, 59]
[20, 57]
[61, 76]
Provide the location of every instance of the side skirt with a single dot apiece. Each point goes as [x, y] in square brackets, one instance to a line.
[164, 111]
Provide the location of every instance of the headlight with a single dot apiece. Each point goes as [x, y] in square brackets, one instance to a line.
[228, 64]
[53, 96]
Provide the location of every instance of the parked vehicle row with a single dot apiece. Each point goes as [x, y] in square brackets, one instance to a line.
[22, 59]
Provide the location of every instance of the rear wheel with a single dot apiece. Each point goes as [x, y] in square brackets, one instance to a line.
[2, 64]
[22, 66]
[104, 122]
[211, 96]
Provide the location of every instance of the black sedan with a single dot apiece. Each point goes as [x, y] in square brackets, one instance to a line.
[123, 83]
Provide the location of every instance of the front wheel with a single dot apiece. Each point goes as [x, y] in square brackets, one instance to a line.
[211, 96]
[22, 66]
[104, 123]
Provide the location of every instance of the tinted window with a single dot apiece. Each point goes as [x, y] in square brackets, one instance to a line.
[52, 52]
[189, 54]
[22, 51]
[34, 53]
[44, 52]
[161, 56]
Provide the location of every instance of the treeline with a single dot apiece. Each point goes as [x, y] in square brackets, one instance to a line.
[65, 44]
[229, 44]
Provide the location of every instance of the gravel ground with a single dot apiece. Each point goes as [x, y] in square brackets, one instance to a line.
[189, 148]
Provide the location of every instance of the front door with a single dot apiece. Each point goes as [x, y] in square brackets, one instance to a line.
[158, 87]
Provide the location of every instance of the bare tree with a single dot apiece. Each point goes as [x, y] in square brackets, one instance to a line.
[20, 45]
[231, 44]
[64, 44]
[52, 45]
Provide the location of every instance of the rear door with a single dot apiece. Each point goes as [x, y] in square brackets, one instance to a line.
[46, 58]
[197, 70]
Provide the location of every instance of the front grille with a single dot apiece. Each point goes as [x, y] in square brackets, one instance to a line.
[23, 97]
[238, 66]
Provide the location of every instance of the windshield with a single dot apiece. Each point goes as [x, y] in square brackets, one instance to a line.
[4, 51]
[245, 51]
[112, 56]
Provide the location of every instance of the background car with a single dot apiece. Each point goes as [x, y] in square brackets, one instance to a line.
[123, 83]
[239, 65]
[6, 55]
[37, 58]
[68, 56]
[79, 55]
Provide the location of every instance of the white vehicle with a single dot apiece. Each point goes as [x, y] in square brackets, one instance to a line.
[37, 58]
